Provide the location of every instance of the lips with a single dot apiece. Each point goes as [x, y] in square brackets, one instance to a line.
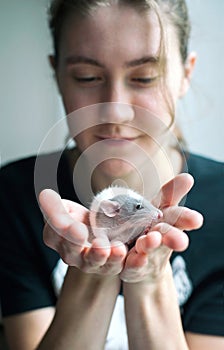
[116, 141]
[116, 137]
[114, 132]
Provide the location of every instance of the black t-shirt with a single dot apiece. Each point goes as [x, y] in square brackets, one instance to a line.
[26, 264]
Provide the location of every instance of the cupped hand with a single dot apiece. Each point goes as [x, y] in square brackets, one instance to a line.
[148, 259]
[67, 231]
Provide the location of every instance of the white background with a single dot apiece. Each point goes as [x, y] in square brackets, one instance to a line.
[29, 100]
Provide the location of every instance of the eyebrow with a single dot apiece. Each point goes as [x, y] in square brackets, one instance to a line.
[143, 60]
[70, 60]
[82, 59]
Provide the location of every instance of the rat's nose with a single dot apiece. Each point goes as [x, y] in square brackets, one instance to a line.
[159, 214]
[116, 112]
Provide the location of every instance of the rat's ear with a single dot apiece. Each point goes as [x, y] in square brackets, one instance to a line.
[110, 208]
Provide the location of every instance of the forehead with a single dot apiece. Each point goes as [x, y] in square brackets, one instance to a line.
[112, 29]
[124, 198]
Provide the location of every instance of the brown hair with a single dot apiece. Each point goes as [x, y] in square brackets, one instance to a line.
[175, 10]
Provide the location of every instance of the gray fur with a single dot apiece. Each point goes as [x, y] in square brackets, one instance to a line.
[134, 218]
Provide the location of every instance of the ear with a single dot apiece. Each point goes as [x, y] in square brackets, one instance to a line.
[110, 208]
[51, 60]
[188, 71]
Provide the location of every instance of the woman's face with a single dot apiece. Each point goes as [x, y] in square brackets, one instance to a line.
[110, 61]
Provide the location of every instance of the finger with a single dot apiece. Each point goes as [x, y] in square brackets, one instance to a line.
[148, 242]
[50, 200]
[69, 252]
[60, 220]
[135, 261]
[115, 261]
[51, 239]
[118, 252]
[77, 211]
[182, 218]
[98, 253]
[173, 191]
[96, 261]
[172, 237]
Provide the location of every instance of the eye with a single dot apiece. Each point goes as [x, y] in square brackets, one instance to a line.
[138, 206]
[88, 80]
[143, 80]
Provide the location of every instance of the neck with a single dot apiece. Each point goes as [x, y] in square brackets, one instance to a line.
[146, 180]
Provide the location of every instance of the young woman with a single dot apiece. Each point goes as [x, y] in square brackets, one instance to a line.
[121, 67]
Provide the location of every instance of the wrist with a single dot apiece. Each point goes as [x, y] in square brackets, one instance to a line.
[84, 291]
[86, 303]
[150, 285]
[157, 313]
[85, 280]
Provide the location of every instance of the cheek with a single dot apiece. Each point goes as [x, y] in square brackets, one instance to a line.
[82, 124]
[155, 112]
[175, 80]
[83, 140]
[73, 98]
[73, 101]
[81, 128]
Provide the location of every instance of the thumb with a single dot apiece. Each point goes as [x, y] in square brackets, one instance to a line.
[173, 191]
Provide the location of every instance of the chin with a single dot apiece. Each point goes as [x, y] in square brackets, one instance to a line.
[116, 168]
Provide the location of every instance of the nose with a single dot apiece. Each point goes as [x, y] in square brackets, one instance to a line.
[116, 106]
[116, 112]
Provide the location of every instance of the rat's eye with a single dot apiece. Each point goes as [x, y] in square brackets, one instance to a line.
[138, 206]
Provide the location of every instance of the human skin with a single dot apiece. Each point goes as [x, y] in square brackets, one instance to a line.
[99, 270]
[66, 326]
[87, 75]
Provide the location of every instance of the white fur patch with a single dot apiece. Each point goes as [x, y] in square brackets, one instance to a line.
[109, 193]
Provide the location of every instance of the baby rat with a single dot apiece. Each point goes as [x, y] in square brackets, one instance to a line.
[122, 214]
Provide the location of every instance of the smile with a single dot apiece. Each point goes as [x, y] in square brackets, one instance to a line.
[116, 140]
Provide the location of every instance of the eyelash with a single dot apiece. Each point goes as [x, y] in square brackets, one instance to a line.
[144, 80]
[95, 79]
[87, 79]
